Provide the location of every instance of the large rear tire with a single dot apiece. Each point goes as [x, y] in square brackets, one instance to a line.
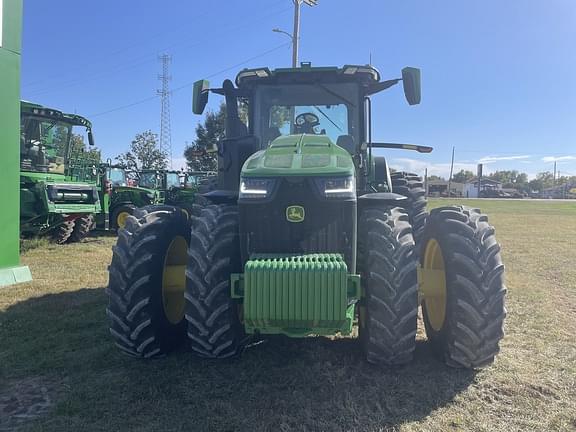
[389, 308]
[82, 227]
[411, 186]
[214, 327]
[462, 284]
[147, 282]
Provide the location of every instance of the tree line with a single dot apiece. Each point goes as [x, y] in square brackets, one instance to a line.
[514, 179]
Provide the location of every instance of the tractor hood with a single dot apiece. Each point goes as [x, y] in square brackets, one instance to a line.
[300, 155]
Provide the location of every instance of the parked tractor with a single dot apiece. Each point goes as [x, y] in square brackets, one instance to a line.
[172, 186]
[119, 198]
[58, 193]
[308, 233]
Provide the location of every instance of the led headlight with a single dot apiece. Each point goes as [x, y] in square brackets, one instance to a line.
[338, 187]
[255, 188]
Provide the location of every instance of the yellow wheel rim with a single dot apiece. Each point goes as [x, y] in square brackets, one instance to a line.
[121, 219]
[174, 280]
[433, 284]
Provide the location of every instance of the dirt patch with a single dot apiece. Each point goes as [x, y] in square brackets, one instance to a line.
[27, 399]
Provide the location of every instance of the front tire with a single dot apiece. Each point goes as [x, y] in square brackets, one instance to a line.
[120, 214]
[214, 328]
[147, 282]
[389, 307]
[462, 283]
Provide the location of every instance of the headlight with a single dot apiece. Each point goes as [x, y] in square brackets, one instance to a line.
[337, 187]
[255, 188]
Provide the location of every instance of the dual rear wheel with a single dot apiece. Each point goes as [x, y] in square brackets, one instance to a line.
[170, 281]
[457, 279]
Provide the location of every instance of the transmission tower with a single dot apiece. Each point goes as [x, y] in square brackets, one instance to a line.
[164, 93]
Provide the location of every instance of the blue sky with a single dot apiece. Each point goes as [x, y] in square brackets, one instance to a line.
[497, 76]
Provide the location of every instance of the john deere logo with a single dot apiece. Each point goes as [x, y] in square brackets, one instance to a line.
[295, 213]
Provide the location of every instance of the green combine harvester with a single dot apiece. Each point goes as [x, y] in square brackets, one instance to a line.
[119, 198]
[308, 233]
[58, 190]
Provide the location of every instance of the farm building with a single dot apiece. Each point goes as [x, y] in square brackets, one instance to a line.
[440, 188]
[471, 187]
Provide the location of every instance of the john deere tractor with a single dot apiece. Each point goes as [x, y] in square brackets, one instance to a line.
[172, 186]
[58, 193]
[307, 233]
[119, 198]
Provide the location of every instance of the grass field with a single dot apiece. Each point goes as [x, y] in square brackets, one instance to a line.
[59, 370]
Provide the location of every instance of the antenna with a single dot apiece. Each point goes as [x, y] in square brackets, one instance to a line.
[165, 143]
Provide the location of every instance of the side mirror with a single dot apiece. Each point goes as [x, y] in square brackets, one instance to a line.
[90, 138]
[411, 83]
[200, 96]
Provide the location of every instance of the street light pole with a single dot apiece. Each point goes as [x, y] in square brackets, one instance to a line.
[295, 36]
[296, 33]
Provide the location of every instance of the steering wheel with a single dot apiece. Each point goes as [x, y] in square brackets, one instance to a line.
[306, 122]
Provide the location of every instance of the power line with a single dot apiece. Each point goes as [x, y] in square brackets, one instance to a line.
[147, 58]
[188, 84]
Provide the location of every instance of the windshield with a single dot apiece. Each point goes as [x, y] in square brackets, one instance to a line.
[117, 176]
[148, 180]
[44, 144]
[192, 180]
[330, 109]
[172, 180]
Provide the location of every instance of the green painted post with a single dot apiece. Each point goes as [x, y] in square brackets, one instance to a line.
[11, 271]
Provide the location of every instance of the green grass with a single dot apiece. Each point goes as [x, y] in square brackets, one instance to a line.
[59, 368]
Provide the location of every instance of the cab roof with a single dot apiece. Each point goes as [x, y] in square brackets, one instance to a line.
[51, 113]
[365, 75]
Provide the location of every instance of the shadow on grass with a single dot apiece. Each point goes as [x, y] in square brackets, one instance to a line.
[281, 384]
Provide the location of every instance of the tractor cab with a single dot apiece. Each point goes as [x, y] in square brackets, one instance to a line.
[325, 104]
[159, 179]
[46, 144]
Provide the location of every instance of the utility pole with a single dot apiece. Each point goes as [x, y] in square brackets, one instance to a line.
[451, 170]
[295, 36]
[554, 179]
[296, 33]
[165, 143]
[426, 181]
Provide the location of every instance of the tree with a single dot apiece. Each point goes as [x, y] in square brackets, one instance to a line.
[462, 176]
[436, 178]
[510, 178]
[144, 153]
[200, 156]
[80, 153]
[542, 181]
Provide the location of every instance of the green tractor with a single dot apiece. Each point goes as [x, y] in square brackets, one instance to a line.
[119, 198]
[174, 187]
[307, 233]
[58, 192]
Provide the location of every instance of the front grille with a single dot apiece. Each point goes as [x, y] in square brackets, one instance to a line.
[329, 225]
[72, 194]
